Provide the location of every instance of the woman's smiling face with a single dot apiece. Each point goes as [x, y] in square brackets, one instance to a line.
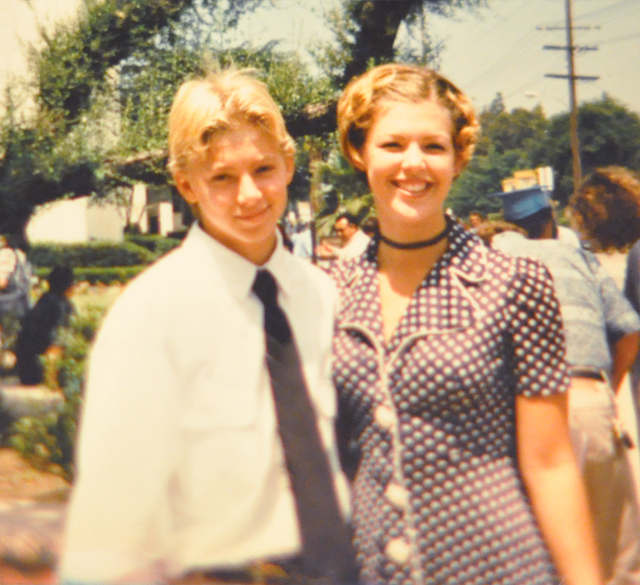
[410, 162]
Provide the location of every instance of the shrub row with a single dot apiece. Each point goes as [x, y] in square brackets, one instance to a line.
[159, 245]
[103, 254]
[93, 275]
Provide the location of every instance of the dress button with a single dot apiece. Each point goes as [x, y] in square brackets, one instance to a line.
[385, 417]
[397, 495]
[398, 550]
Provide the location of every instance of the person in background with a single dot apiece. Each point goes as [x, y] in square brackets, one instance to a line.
[302, 241]
[476, 218]
[286, 240]
[602, 339]
[41, 330]
[15, 287]
[606, 210]
[449, 365]
[191, 469]
[370, 226]
[354, 240]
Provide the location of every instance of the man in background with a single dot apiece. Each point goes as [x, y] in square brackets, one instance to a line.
[354, 240]
[601, 332]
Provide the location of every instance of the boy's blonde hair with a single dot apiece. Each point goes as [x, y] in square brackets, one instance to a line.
[606, 208]
[207, 106]
[360, 100]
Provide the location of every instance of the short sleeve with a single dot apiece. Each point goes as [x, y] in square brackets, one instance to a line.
[620, 316]
[536, 333]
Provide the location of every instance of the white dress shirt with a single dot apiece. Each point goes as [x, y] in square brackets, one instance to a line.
[568, 236]
[355, 246]
[180, 462]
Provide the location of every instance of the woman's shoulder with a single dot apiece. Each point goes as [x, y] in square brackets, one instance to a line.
[520, 271]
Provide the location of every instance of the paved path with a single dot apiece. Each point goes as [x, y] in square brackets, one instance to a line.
[30, 540]
[32, 502]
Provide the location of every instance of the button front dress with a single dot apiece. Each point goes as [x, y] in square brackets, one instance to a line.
[429, 416]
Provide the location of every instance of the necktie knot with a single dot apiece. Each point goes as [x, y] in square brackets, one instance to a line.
[275, 321]
[266, 288]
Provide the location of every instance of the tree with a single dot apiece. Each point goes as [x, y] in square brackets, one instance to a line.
[609, 135]
[509, 141]
[120, 44]
[521, 139]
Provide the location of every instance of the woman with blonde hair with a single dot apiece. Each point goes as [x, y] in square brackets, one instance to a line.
[449, 366]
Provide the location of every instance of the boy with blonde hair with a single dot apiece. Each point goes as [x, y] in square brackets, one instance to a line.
[185, 471]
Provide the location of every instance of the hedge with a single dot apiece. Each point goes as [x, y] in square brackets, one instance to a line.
[159, 245]
[93, 254]
[122, 274]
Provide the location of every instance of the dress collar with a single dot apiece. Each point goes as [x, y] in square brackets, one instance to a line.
[445, 300]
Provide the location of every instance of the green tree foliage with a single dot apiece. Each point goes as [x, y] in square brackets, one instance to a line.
[522, 139]
[609, 135]
[481, 177]
[96, 127]
[509, 141]
[76, 58]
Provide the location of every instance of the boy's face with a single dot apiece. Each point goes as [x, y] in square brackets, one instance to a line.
[240, 189]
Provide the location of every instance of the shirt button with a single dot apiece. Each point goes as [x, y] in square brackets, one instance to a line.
[397, 495]
[398, 550]
[385, 417]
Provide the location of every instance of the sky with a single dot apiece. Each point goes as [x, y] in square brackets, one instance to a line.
[500, 50]
[495, 49]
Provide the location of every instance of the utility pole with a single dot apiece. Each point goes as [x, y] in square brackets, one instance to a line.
[573, 100]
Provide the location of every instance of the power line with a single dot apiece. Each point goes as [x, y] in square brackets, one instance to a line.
[570, 48]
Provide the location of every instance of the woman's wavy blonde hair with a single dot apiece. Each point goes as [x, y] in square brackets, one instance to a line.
[207, 106]
[358, 106]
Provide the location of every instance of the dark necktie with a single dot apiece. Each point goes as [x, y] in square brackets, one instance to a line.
[326, 541]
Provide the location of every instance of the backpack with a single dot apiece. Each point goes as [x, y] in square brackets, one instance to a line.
[15, 297]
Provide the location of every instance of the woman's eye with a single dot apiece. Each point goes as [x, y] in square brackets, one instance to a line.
[391, 144]
[434, 146]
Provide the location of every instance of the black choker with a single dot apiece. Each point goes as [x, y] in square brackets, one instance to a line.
[415, 245]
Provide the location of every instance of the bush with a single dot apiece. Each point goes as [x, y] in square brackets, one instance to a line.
[93, 254]
[158, 245]
[47, 441]
[121, 274]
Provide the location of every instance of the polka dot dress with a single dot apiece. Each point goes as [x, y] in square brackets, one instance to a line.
[431, 416]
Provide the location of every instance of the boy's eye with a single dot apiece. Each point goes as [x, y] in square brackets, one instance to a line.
[264, 168]
[220, 177]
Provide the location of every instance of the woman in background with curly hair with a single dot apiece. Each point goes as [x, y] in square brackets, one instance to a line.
[605, 209]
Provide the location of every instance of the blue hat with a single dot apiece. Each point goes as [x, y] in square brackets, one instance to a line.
[522, 203]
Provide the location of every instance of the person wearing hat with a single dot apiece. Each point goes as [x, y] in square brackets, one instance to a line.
[531, 209]
[601, 331]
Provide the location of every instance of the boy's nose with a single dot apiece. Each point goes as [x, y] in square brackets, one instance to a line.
[248, 190]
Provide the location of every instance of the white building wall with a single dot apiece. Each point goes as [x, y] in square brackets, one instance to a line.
[139, 213]
[105, 221]
[61, 221]
[165, 218]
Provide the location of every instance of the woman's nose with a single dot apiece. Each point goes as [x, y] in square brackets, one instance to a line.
[413, 157]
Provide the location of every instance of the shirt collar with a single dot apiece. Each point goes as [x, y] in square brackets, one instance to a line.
[236, 271]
